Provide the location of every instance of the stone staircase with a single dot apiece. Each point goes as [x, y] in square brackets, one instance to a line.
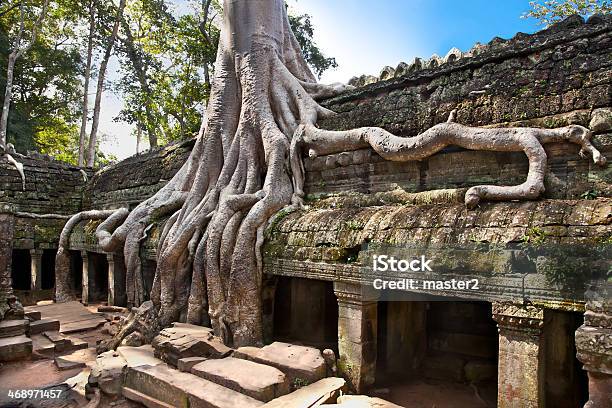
[33, 336]
[277, 375]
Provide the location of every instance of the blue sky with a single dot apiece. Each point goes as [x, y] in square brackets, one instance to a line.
[364, 36]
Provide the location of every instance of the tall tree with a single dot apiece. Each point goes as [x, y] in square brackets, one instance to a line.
[18, 49]
[84, 108]
[247, 164]
[91, 149]
[551, 11]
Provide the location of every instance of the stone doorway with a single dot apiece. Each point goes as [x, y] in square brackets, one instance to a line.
[566, 383]
[76, 271]
[20, 269]
[48, 269]
[98, 277]
[433, 352]
[306, 312]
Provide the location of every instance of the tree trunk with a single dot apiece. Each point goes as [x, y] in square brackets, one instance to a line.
[83, 133]
[91, 149]
[138, 137]
[247, 164]
[8, 95]
[151, 124]
[17, 52]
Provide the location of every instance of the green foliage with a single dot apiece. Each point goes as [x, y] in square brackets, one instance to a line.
[47, 80]
[304, 31]
[551, 11]
[590, 195]
[534, 236]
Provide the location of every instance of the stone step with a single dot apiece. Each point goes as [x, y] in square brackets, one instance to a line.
[311, 395]
[12, 328]
[259, 381]
[15, 348]
[43, 325]
[32, 315]
[61, 343]
[167, 385]
[42, 346]
[298, 363]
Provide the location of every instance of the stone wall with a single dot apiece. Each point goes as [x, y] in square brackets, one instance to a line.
[50, 187]
[135, 179]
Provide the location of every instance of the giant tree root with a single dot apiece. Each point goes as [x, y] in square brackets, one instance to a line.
[63, 291]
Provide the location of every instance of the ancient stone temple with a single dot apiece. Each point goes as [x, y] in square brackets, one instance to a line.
[536, 331]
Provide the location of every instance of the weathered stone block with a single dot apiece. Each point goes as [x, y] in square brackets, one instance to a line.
[258, 381]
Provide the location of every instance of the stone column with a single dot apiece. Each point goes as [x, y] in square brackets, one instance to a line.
[357, 325]
[267, 296]
[85, 280]
[520, 381]
[116, 279]
[594, 346]
[7, 223]
[36, 269]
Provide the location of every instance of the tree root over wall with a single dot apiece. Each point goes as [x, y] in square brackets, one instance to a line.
[247, 164]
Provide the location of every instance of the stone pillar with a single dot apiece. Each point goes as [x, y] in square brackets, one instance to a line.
[7, 223]
[357, 325]
[36, 269]
[521, 380]
[594, 350]
[85, 280]
[116, 279]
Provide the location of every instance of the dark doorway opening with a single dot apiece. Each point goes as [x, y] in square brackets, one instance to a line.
[98, 277]
[306, 312]
[48, 269]
[566, 382]
[436, 351]
[76, 272]
[21, 267]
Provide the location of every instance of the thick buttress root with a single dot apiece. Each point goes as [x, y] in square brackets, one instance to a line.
[247, 164]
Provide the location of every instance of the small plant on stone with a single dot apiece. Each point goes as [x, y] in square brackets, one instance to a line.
[590, 195]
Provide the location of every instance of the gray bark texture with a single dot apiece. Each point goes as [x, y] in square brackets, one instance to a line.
[90, 38]
[93, 135]
[247, 164]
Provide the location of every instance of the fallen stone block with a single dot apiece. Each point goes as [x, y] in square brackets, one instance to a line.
[298, 363]
[170, 386]
[32, 315]
[259, 381]
[137, 356]
[187, 340]
[11, 328]
[64, 364]
[185, 364]
[15, 348]
[108, 373]
[43, 325]
[312, 395]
